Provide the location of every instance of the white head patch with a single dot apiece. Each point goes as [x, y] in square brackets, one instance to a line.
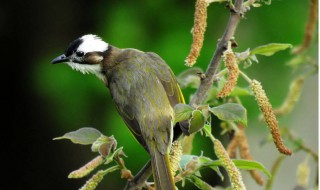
[92, 43]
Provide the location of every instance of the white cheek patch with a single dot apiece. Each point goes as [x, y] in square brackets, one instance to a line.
[86, 69]
[92, 43]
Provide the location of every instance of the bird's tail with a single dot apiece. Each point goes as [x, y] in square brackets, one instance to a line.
[161, 169]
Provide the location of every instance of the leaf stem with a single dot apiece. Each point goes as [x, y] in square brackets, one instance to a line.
[245, 77]
[208, 133]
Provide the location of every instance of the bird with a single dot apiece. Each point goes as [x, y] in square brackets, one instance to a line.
[144, 90]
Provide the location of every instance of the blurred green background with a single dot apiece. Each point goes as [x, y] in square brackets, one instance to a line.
[46, 101]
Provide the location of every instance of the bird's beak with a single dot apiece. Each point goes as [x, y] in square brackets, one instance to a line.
[60, 59]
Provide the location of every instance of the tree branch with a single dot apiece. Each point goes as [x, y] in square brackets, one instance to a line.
[207, 82]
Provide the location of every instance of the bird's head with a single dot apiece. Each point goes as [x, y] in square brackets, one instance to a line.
[85, 54]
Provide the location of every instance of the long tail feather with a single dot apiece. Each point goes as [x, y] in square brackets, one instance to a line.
[161, 171]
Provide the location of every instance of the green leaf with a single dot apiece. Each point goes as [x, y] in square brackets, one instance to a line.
[241, 164]
[199, 183]
[190, 78]
[182, 112]
[205, 162]
[199, 162]
[196, 122]
[251, 165]
[270, 49]
[104, 145]
[82, 136]
[247, 63]
[239, 91]
[230, 112]
[254, 58]
[207, 128]
[118, 152]
[185, 159]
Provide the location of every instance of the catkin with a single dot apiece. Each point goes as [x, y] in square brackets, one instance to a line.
[233, 73]
[86, 169]
[199, 28]
[234, 173]
[93, 182]
[269, 116]
[175, 156]
[292, 97]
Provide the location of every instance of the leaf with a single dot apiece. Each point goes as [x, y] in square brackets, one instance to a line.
[118, 152]
[82, 136]
[239, 91]
[230, 112]
[199, 183]
[196, 163]
[190, 78]
[196, 122]
[104, 145]
[254, 58]
[182, 112]
[247, 63]
[185, 159]
[241, 164]
[270, 49]
[204, 163]
[207, 128]
[251, 165]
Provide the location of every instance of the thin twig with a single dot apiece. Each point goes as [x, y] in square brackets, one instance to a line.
[274, 171]
[207, 82]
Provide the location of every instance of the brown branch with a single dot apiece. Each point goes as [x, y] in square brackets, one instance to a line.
[207, 82]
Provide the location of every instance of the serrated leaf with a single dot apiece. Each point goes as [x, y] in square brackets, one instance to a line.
[196, 122]
[270, 49]
[230, 112]
[182, 112]
[84, 136]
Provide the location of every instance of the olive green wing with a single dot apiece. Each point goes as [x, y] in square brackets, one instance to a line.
[137, 89]
[167, 78]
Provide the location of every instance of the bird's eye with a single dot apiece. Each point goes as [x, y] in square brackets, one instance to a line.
[79, 53]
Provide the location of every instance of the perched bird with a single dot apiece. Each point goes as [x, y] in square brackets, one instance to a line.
[144, 90]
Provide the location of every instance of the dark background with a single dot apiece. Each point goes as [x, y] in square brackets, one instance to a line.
[42, 101]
